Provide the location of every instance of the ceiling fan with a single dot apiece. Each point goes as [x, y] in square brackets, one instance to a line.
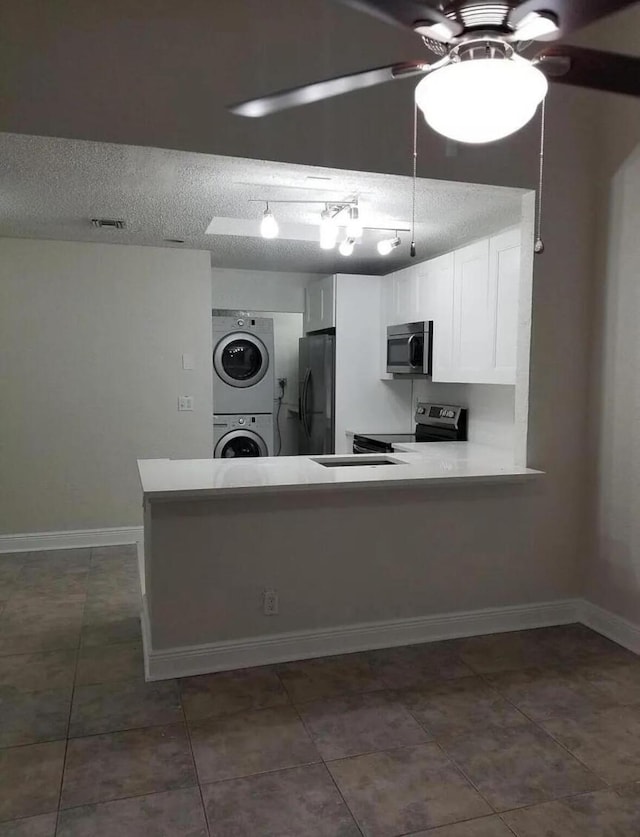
[487, 77]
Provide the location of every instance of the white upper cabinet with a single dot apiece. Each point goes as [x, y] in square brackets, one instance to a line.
[472, 297]
[401, 296]
[438, 285]
[472, 337]
[476, 329]
[504, 270]
[320, 304]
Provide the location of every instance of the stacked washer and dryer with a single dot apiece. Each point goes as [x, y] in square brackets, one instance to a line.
[243, 385]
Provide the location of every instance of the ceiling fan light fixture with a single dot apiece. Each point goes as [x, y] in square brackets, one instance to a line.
[387, 245]
[328, 230]
[268, 226]
[481, 99]
[537, 26]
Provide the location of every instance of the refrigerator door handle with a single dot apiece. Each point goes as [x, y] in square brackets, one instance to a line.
[303, 407]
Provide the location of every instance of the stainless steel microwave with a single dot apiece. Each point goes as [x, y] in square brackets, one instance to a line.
[410, 348]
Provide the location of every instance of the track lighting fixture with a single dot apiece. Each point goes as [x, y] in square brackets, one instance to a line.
[268, 225]
[328, 230]
[346, 247]
[336, 216]
[387, 245]
[354, 228]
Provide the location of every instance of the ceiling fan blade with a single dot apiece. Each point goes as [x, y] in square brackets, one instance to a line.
[591, 68]
[320, 90]
[571, 14]
[405, 13]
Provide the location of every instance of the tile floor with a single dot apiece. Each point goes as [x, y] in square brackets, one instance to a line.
[534, 734]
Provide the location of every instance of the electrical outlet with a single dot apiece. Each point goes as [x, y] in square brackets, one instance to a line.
[282, 382]
[185, 403]
[270, 602]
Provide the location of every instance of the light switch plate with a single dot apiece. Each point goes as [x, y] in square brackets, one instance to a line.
[185, 403]
[187, 361]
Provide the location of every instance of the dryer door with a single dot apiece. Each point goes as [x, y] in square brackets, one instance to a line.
[241, 359]
[240, 443]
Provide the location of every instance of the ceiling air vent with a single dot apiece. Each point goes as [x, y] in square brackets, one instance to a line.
[108, 223]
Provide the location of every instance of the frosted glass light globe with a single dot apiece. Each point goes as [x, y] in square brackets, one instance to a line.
[269, 226]
[328, 231]
[347, 246]
[481, 99]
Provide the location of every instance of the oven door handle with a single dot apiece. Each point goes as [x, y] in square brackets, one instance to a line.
[359, 449]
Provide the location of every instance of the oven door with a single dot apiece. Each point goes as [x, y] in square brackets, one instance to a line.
[405, 353]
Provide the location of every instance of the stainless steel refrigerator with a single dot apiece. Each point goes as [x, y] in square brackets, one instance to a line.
[316, 394]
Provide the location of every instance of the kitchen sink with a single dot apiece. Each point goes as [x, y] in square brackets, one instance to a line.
[357, 460]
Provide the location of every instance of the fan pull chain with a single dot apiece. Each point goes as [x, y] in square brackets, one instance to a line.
[415, 169]
[538, 247]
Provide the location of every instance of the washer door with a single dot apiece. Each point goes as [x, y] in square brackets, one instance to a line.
[240, 443]
[241, 359]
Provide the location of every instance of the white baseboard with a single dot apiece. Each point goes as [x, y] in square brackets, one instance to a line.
[36, 541]
[611, 625]
[279, 648]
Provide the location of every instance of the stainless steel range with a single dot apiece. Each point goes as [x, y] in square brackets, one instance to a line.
[434, 423]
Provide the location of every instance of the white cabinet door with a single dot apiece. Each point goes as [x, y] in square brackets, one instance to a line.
[320, 304]
[436, 303]
[408, 296]
[313, 307]
[475, 334]
[472, 328]
[504, 272]
[328, 301]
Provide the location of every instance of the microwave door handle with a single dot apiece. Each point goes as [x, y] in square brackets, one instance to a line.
[412, 351]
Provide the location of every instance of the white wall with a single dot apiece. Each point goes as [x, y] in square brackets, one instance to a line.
[259, 290]
[364, 403]
[491, 409]
[91, 338]
[287, 330]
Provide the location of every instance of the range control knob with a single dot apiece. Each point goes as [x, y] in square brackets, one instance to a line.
[240, 421]
[240, 323]
[420, 411]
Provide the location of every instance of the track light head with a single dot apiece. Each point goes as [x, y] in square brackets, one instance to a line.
[387, 245]
[328, 230]
[354, 228]
[268, 226]
[347, 246]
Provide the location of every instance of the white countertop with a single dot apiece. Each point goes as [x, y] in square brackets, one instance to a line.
[419, 463]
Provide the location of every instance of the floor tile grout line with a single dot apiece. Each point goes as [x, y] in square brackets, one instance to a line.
[73, 691]
[506, 825]
[554, 739]
[450, 758]
[193, 760]
[329, 773]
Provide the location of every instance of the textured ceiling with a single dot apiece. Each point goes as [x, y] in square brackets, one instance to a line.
[51, 188]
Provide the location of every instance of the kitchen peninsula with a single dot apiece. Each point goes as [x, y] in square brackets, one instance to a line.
[220, 534]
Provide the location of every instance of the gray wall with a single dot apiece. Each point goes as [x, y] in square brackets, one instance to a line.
[341, 557]
[612, 541]
[259, 290]
[91, 338]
